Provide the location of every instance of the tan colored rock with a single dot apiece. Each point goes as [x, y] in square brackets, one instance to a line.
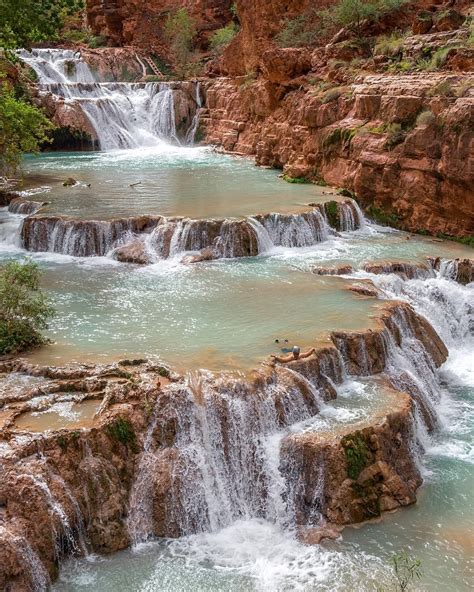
[332, 270]
[134, 252]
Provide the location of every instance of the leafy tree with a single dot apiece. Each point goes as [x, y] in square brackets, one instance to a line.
[352, 15]
[222, 37]
[24, 309]
[23, 22]
[180, 29]
[23, 128]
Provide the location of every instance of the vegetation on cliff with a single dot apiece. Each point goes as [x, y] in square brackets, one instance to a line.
[180, 30]
[24, 309]
[29, 21]
[353, 15]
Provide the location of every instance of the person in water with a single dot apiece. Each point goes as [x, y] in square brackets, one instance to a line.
[295, 355]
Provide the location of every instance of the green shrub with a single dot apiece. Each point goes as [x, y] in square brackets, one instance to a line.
[395, 135]
[180, 30]
[339, 135]
[97, 41]
[442, 89]
[295, 180]
[390, 45]
[28, 21]
[382, 217]
[23, 128]
[406, 570]
[426, 118]
[401, 66]
[332, 214]
[122, 430]
[24, 309]
[354, 15]
[357, 454]
[297, 31]
[222, 37]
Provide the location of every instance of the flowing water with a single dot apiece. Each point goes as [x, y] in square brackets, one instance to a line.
[226, 315]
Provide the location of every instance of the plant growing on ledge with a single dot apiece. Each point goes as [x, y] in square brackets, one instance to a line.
[222, 37]
[352, 15]
[180, 30]
[24, 309]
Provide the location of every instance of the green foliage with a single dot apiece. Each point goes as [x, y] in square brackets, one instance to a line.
[222, 37]
[354, 14]
[426, 118]
[357, 454]
[339, 136]
[234, 10]
[24, 309]
[164, 372]
[382, 217]
[436, 61]
[23, 128]
[442, 89]
[295, 180]
[122, 430]
[395, 132]
[298, 31]
[97, 41]
[180, 30]
[406, 570]
[23, 22]
[463, 240]
[332, 214]
[390, 45]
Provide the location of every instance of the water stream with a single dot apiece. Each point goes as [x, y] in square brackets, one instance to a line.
[236, 490]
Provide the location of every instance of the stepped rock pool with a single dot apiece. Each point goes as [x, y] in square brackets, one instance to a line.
[165, 181]
[226, 315]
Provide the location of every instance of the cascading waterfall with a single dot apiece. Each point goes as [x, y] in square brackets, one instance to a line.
[448, 306]
[168, 237]
[350, 216]
[123, 115]
[228, 440]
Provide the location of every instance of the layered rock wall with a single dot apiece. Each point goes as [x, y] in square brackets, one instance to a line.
[417, 174]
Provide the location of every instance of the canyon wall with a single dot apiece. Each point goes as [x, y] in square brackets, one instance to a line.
[390, 128]
[140, 22]
[423, 182]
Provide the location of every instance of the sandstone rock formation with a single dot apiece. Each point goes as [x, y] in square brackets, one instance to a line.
[129, 475]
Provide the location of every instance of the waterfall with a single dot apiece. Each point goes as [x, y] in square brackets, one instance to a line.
[122, 115]
[79, 238]
[167, 237]
[350, 215]
[294, 230]
[191, 134]
[227, 461]
[38, 576]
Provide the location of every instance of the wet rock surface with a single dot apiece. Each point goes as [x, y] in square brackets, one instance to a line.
[140, 239]
[130, 475]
